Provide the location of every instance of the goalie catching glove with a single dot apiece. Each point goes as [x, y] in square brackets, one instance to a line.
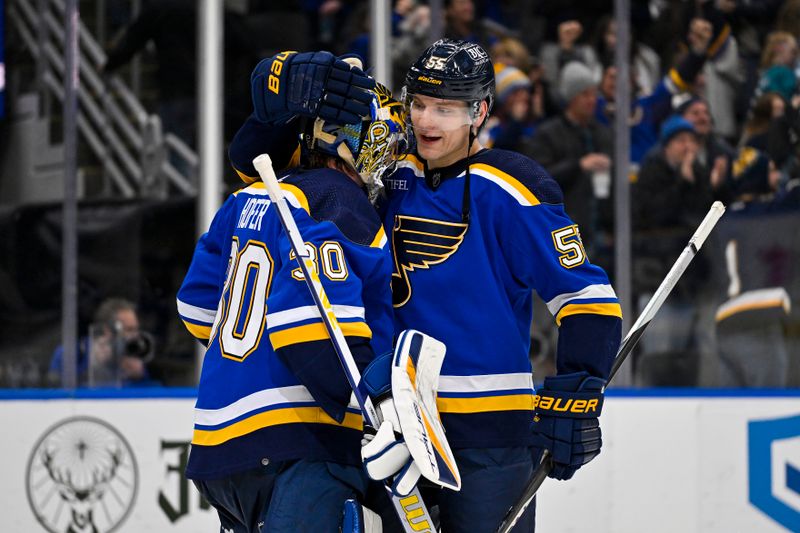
[410, 441]
[566, 420]
[310, 84]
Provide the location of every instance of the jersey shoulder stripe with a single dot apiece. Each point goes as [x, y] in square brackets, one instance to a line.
[413, 162]
[329, 195]
[520, 176]
[506, 182]
[293, 194]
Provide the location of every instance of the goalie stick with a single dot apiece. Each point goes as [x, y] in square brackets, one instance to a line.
[410, 509]
[633, 336]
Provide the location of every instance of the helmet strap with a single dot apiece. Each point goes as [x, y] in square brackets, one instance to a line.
[465, 199]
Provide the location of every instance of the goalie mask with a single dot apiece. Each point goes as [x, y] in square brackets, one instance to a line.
[369, 147]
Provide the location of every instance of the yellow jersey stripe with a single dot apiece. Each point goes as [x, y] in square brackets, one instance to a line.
[316, 332]
[289, 415]
[752, 306]
[198, 331]
[510, 180]
[589, 309]
[380, 239]
[719, 41]
[298, 194]
[411, 158]
[677, 80]
[511, 402]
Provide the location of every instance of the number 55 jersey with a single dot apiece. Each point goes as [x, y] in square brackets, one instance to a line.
[468, 250]
[271, 384]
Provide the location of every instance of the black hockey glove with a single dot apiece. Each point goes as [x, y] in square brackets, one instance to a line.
[566, 420]
[309, 84]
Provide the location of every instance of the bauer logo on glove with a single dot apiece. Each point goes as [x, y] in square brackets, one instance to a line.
[566, 421]
[549, 401]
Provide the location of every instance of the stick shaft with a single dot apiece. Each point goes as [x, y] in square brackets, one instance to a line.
[625, 348]
[411, 505]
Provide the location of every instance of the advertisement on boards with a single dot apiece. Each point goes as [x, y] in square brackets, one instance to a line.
[672, 461]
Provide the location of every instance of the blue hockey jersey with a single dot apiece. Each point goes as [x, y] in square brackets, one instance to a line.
[271, 385]
[464, 275]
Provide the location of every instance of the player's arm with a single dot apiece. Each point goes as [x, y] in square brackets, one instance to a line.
[200, 291]
[549, 257]
[294, 325]
[544, 250]
[256, 137]
[290, 85]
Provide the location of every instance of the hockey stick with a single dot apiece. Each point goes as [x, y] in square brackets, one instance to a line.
[633, 336]
[411, 506]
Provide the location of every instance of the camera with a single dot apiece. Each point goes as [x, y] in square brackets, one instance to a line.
[141, 346]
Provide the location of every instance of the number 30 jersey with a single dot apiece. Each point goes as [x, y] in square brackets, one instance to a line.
[467, 255]
[271, 385]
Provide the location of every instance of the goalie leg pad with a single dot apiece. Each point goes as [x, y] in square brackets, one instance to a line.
[416, 366]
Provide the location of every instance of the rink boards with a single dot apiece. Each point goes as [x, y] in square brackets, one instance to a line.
[686, 461]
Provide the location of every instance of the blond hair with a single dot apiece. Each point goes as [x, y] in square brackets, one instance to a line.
[775, 40]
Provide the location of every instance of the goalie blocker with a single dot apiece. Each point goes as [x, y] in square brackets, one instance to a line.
[410, 441]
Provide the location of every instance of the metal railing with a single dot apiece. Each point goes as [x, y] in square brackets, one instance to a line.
[138, 158]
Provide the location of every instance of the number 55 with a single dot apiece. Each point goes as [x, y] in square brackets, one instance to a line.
[568, 242]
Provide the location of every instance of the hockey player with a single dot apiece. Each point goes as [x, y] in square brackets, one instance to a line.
[276, 440]
[473, 232]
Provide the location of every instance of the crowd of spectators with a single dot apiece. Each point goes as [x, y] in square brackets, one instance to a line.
[715, 115]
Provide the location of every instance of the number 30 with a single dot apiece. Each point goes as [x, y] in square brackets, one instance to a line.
[241, 315]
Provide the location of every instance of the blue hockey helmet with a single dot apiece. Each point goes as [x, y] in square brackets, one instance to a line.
[453, 70]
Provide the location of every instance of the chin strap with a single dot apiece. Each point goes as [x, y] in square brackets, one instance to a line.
[465, 199]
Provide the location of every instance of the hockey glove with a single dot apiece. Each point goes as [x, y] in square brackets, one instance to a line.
[566, 420]
[385, 453]
[310, 84]
[410, 441]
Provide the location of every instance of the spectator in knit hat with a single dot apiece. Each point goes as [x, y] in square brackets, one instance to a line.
[713, 152]
[673, 188]
[670, 198]
[576, 150]
[511, 119]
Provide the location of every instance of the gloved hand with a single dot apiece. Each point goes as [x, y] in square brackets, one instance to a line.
[310, 84]
[566, 420]
[385, 453]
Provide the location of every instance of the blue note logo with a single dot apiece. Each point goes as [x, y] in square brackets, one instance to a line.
[774, 469]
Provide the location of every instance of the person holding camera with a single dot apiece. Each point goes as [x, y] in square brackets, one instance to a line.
[115, 351]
